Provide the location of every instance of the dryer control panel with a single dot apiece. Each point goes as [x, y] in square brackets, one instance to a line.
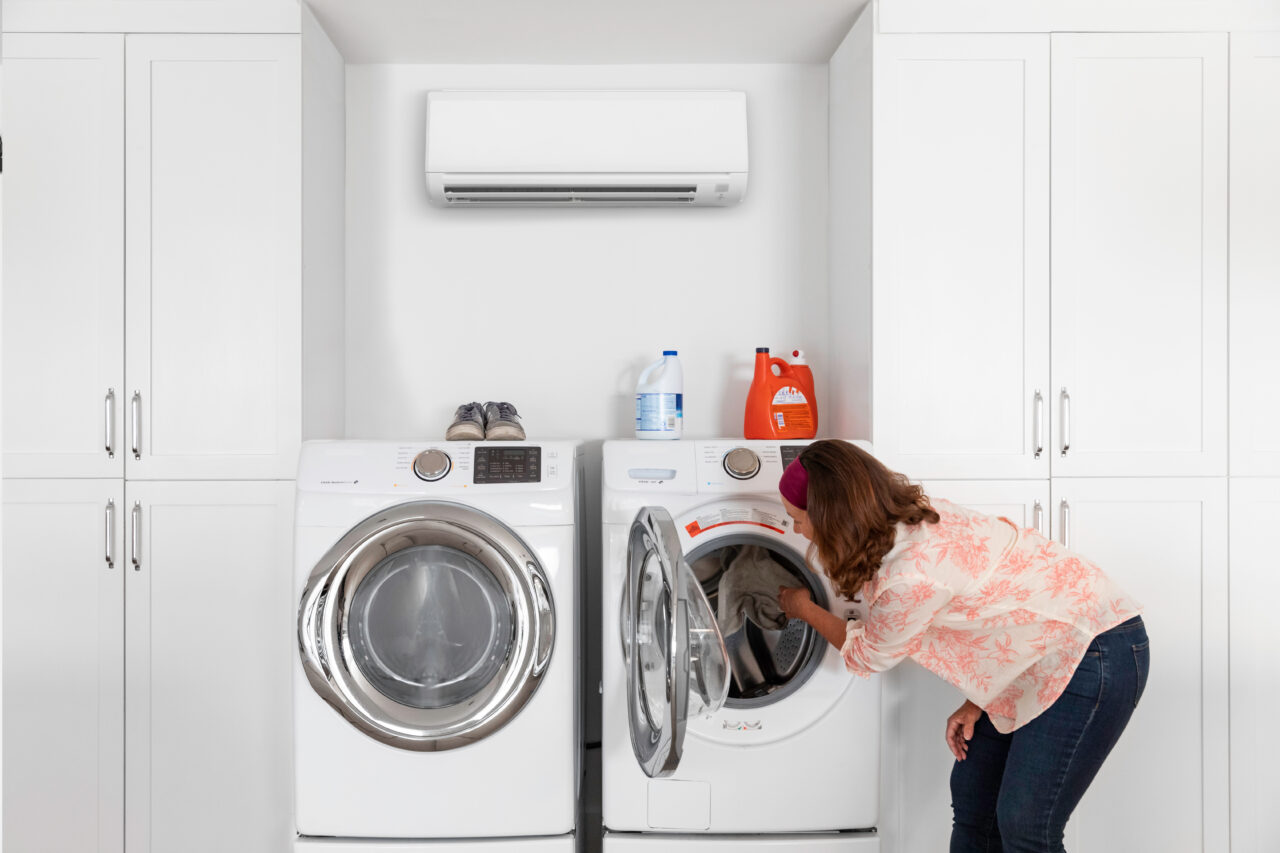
[435, 468]
[508, 465]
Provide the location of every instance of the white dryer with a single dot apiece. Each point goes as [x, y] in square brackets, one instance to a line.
[757, 734]
[435, 691]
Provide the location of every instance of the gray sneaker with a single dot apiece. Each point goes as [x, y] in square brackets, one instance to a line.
[468, 423]
[502, 422]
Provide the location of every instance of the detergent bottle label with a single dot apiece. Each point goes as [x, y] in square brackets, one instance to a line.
[791, 411]
[659, 412]
[789, 395]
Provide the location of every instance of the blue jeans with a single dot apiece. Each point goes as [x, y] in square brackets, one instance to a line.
[1014, 792]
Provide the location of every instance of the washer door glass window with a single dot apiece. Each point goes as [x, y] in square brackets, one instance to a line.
[430, 626]
[677, 666]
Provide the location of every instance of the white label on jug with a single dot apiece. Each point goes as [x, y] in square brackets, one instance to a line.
[659, 412]
[789, 395]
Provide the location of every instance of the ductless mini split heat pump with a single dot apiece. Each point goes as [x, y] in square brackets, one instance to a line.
[601, 148]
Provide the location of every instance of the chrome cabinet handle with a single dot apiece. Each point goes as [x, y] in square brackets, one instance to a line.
[1039, 423]
[111, 534]
[1066, 421]
[546, 625]
[109, 419]
[135, 535]
[1065, 510]
[1037, 515]
[135, 413]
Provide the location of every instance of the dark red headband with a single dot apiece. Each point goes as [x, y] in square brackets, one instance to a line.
[794, 485]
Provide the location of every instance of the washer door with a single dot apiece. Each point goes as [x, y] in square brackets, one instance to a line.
[428, 626]
[677, 666]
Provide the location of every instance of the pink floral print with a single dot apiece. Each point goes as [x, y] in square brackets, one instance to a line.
[1003, 613]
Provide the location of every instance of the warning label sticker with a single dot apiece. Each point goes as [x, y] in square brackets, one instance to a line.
[774, 521]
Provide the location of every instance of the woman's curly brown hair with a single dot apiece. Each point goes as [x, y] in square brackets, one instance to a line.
[854, 502]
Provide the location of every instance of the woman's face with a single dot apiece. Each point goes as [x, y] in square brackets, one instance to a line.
[799, 519]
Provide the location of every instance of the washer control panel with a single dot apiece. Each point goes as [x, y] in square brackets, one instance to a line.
[790, 452]
[741, 463]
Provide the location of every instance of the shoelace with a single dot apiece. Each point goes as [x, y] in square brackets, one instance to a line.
[506, 411]
[467, 411]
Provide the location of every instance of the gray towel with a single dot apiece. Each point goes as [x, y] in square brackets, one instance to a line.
[749, 588]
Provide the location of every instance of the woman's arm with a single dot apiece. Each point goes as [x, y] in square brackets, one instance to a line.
[798, 604]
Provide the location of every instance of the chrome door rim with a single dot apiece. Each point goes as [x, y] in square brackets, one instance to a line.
[325, 646]
[658, 751]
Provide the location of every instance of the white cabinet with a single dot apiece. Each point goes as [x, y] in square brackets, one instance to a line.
[1047, 261]
[158, 192]
[1164, 541]
[147, 697]
[1255, 254]
[64, 572]
[1255, 677]
[213, 257]
[208, 651]
[961, 255]
[916, 764]
[63, 333]
[1139, 254]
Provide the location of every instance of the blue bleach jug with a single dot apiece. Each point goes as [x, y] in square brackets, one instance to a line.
[660, 399]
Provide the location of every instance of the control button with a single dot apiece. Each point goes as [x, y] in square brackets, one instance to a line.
[431, 465]
[741, 463]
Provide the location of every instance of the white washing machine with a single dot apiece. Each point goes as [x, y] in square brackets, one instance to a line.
[436, 696]
[756, 740]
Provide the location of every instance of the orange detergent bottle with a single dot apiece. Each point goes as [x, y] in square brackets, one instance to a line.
[777, 404]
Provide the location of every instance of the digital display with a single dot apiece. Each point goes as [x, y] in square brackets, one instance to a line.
[508, 465]
[790, 452]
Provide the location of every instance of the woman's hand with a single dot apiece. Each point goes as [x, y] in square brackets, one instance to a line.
[960, 729]
[792, 601]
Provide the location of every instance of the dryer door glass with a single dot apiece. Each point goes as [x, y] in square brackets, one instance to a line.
[430, 626]
[427, 626]
[676, 661]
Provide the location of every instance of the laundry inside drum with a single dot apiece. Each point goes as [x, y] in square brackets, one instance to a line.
[769, 655]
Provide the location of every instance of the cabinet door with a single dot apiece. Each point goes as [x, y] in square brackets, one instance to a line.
[212, 260]
[1255, 253]
[209, 640]
[1255, 677]
[961, 257]
[916, 762]
[64, 568]
[63, 328]
[1164, 541]
[1139, 226]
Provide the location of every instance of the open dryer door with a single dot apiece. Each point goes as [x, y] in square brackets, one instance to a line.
[677, 666]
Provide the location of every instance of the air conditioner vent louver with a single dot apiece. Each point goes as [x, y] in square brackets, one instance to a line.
[607, 148]
[551, 194]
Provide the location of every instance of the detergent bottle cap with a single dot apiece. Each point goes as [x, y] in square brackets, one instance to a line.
[669, 352]
[762, 349]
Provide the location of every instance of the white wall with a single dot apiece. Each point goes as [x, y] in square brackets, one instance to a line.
[557, 311]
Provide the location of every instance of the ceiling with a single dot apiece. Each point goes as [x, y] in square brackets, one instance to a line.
[574, 32]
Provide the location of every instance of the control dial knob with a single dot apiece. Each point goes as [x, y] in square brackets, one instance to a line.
[741, 463]
[431, 465]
